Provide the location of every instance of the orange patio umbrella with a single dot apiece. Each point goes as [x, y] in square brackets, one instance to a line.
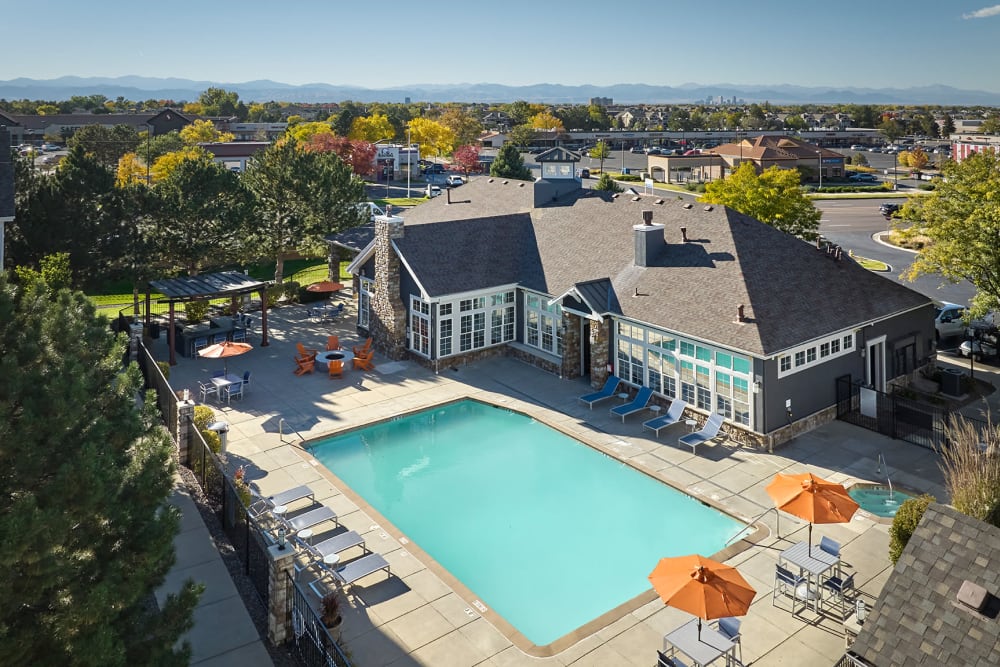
[224, 350]
[325, 286]
[811, 498]
[703, 587]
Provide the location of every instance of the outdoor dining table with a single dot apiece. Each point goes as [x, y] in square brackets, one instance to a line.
[704, 648]
[224, 381]
[814, 563]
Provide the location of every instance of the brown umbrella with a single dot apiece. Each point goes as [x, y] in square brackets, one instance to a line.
[703, 587]
[325, 286]
[811, 498]
[224, 350]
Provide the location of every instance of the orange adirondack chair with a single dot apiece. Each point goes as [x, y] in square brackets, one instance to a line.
[336, 368]
[361, 350]
[332, 343]
[305, 352]
[303, 366]
[364, 361]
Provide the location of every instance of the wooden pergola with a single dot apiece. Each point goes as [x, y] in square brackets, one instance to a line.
[208, 286]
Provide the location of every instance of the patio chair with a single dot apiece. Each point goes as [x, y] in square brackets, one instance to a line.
[246, 379]
[831, 547]
[364, 362]
[607, 391]
[729, 627]
[262, 504]
[239, 335]
[332, 545]
[305, 352]
[199, 343]
[332, 343]
[674, 414]
[303, 366]
[206, 389]
[635, 405]
[313, 517]
[362, 349]
[335, 368]
[234, 389]
[218, 374]
[664, 660]
[786, 584]
[707, 432]
[345, 575]
[840, 587]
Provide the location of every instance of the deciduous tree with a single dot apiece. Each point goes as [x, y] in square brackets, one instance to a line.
[463, 124]
[130, 170]
[521, 135]
[961, 217]
[204, 131]
[87, 529]
[546, 121]
[434, 136]
[303, 132]
[371, 128]
[359, 155]
[219, 102]
[467, 157]
[509, 164]
[774, 197]
[167, 162]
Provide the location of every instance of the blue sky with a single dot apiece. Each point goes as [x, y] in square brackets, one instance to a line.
[390, 43]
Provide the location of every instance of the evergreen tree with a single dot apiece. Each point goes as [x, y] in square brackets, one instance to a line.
[509, 164]
[606, 183]
[86, 530]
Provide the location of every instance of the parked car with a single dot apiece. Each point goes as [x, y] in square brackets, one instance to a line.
[454, 180]
[583, 173]
[862, 178]
[434, 168]
[857, 147]
[433, 190]
[888, 209]
[949, 319]
[50, 148]
[982, 341]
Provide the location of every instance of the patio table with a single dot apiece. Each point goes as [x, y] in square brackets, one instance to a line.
[704, 649]
[814, 563]
[224, 381]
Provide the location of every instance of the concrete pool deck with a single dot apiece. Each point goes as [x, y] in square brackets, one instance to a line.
[416, 618]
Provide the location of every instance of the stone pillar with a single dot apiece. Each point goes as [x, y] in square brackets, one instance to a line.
[134, 338]
[599, 349]
[571, 346]
[388, 312]
[279, 614]
[185, 422]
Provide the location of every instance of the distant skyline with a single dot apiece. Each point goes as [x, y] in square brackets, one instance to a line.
[391, 43]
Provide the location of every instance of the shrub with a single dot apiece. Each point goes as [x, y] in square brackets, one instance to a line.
[607, 184]
[164, 367]
[905, 522]
[291, 290]
[203, 416]
[213, 440]
[195, 310]
[274, 292]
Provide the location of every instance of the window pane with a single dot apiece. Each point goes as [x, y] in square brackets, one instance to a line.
[704, 354]
[723, 360]
[741, 365]
[687, 349]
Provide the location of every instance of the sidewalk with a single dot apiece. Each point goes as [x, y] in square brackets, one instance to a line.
[223, 634]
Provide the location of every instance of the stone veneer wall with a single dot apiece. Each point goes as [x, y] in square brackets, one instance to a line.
[571, 345]
[388, 313]
[599, 346]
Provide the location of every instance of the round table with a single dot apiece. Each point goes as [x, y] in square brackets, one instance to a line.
[325, 358]
[691, 423]
[306, 535]
[624, 396]
[279, 511]
[655, 409]
[331, 560]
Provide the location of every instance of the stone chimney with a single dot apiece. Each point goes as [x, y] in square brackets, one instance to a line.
[387, 325]
[739, 313]
[649, 241]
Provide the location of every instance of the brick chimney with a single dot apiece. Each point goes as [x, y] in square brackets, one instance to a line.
[649, 240]
[388, 314]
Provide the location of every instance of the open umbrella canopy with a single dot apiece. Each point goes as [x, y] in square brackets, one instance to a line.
[224, 350]
[811, 498]
[325, 286]
[701, 586]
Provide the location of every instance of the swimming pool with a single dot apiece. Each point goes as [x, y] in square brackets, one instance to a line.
[547, 531]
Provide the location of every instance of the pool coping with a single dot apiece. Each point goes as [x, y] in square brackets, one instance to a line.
[752, 534]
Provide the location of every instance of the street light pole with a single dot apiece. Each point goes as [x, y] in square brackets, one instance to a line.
[819, 159]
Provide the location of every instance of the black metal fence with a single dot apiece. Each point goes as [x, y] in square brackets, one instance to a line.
[894, 415]
[311, 641]
[166, 399]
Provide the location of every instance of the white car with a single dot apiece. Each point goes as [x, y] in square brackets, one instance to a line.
[949, 319]
[454, 180]
[433, 190]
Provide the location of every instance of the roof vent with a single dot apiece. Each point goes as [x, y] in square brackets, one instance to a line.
[972, 595]
[490, 181]
[684, 234]
[658, 201]
[708, 208]
[739, 313]
[632, 191]
[636, 198]
[506, 182]
[520, 185]
[688, 205]
[614, 196]
[647, 217]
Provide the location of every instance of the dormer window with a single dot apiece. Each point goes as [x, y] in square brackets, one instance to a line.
[557, 170]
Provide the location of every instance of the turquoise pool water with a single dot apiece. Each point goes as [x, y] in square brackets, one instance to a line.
[878, 499]
[545, 530]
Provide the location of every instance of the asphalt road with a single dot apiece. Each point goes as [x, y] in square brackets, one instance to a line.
[851, 223]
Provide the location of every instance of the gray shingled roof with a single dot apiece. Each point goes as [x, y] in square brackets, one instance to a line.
[916, 620]
[491, 235]
[226, 283]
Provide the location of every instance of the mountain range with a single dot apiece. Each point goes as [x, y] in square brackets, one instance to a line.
[143, 88]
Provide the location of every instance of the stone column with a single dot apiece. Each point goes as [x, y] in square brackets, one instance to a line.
[571, 346]
[279, 615]
[388, 312]
[185, 422]
[599, 348]
[134, 337]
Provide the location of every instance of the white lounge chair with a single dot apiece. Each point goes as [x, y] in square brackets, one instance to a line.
[309, 519]
[674, 414]
[607, 391]
[707, 432]
[262, 504]
[332, 545]
[638, 403]
[347, 574]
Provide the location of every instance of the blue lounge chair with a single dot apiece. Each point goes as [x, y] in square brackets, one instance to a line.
[607, 391]
[674, 414]
[638, 403]
[707, 432]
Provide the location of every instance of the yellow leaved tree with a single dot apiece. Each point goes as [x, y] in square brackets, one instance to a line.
[204, 131]
[432, 135]
[546, 121]
[304, 131]
[130, 170]
[371, 128]
[168, 162]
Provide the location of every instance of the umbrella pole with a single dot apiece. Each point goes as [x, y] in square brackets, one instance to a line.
[699, 628]
[809, 550]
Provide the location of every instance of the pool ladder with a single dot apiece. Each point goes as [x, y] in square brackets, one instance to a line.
[878, 471]
[777, 525]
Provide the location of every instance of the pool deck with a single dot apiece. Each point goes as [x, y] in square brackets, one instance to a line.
[416, 618]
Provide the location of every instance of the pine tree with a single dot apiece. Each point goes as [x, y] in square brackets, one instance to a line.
[86, 531]
[509, 164]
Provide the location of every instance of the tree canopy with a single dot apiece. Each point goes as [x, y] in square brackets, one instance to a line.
[204, 131]
[431, 135]
[86, 530]
[371, 128]
[961, 217]
[774, 197]
[509, 164]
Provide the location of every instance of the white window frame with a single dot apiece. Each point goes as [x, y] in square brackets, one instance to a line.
[545, 321]
[470, 322]
[420, 326]
[839, 344]
[366, 289]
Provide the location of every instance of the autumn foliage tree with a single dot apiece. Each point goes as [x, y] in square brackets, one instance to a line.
[432, 135]
[546, 121]
[204, 131]
[358, 154]
[467, 157]
[774, 197]
[371, 128]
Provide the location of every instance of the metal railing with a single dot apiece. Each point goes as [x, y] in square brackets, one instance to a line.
[312, 643]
